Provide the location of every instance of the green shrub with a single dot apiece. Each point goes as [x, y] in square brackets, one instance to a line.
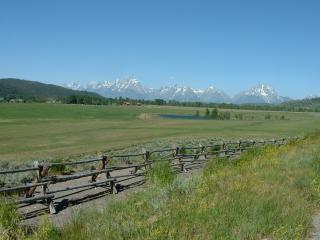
[216, 148]
[207, 113]
[239, 116]
[214, 113]
[224, 116]
[183, 151]
[161, 173]
[9, 219]
[58, 169]
[267, 117]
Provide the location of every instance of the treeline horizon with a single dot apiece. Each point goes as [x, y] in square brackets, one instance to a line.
[307, 105]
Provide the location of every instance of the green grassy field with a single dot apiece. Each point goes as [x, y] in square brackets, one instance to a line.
[44, 131]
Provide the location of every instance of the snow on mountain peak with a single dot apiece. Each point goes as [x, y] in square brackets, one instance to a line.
[74, 86]
[261, 90]
[132, 88]
[259, 94]
[212, 88]
[265, 90]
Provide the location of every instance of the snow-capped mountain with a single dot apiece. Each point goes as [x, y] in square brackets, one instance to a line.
[178, 93]
[260, 94]
[132, 88]
[129, 88]
[212, 94]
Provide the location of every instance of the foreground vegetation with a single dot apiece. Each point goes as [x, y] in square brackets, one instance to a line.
[45, 131]
[268, 193]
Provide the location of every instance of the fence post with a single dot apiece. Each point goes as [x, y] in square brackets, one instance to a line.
[222, 148]
[113, 188]
[239, 146]
[101, 167]
[31, 190]
[135, 170]
[50, 202]
[105, 160]
[43, 171]
[146, 157]
[177, 151]
[52, 208]
[203, 151]
[183, 169]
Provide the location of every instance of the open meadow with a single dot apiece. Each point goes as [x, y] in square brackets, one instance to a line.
[45, 131]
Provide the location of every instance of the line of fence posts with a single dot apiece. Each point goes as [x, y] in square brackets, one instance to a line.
[103, 167]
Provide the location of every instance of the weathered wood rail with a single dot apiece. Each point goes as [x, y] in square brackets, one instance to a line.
[180, 158]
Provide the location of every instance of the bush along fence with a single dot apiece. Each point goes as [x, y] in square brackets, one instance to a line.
[181, 159]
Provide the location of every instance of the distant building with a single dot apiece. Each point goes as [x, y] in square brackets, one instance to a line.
[50, 100]
[19, 100]
[126, 104]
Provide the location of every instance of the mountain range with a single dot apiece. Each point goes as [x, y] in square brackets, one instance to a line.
[132, 88]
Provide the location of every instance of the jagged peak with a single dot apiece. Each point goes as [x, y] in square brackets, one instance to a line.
[131, 87]
[261, 89]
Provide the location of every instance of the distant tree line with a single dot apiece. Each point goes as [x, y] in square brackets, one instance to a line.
[217, 115]
[312, 105]
[87, 100]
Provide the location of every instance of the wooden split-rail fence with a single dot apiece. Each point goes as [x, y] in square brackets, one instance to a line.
[180, 158]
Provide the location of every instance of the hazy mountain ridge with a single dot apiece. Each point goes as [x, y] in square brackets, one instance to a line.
[308, 104]
[132, 88]
[12, 87]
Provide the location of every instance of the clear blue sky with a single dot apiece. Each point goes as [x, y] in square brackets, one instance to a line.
[229, 44]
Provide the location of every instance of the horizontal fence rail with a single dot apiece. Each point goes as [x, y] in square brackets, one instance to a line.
[181, 159]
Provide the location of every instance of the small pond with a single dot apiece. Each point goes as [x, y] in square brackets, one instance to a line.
[186, 117]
